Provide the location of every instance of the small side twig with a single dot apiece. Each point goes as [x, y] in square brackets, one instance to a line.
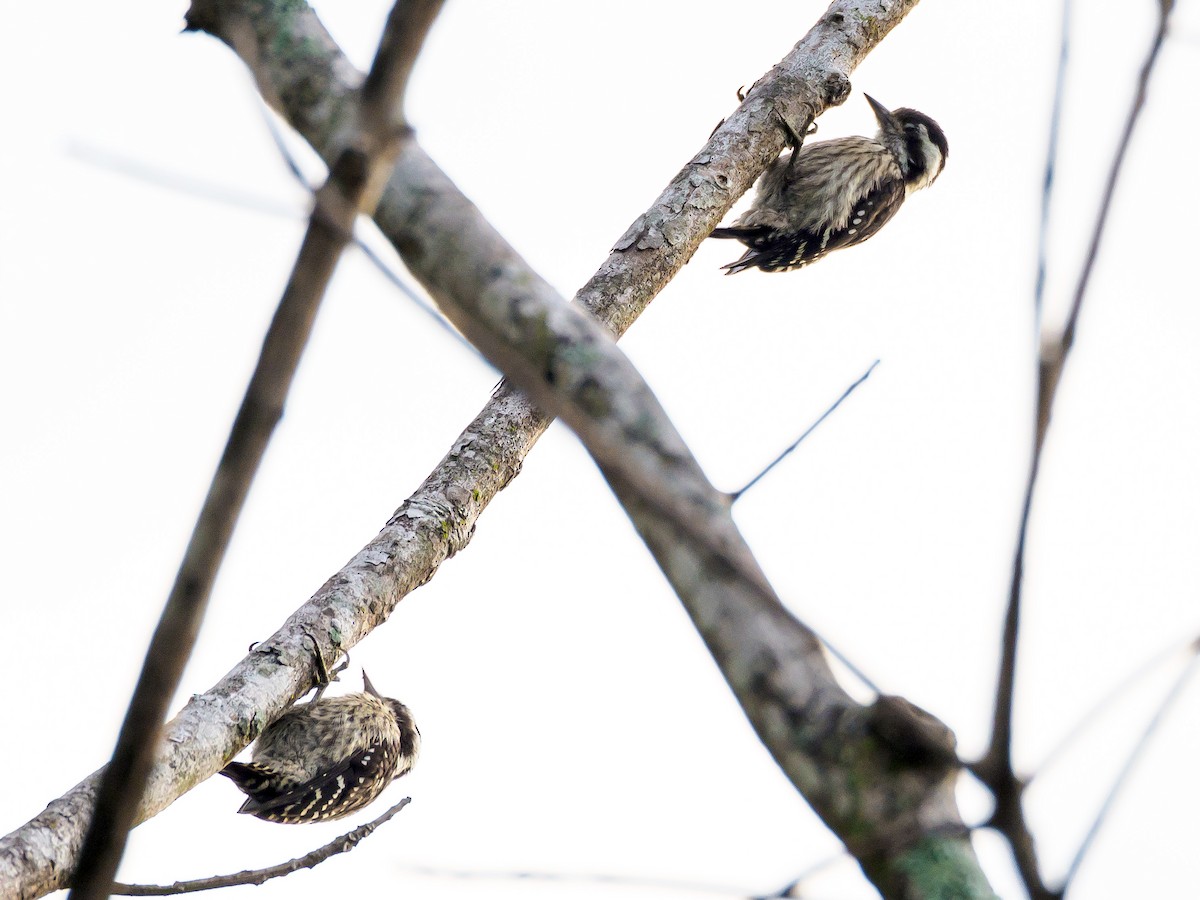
[343, 844]
[355, 182]
[736, 495]
[833, 650]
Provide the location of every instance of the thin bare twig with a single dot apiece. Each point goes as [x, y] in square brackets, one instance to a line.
[1165, 8]
[565, 878]
[627, 881]
[343, 844]
[736, 495]
[218, 193]
[355, 182]
[995, 769]
[1126, 770]
[1085, 721]
[1043, 239]
[180, 182]
[834, 651]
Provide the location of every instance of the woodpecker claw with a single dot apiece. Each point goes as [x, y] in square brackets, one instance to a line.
[324, 676]
[794, 140]
[338, 670]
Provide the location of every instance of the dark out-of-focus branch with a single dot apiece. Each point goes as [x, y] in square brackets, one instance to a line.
[356, 179]
[996, 769]
[343, 844]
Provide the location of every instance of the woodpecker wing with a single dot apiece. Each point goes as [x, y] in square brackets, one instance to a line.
[773, 250]
[870, 213]
[345, 788]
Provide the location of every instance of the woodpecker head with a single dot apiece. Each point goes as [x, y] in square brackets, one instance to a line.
[410, 735]
[918, 143]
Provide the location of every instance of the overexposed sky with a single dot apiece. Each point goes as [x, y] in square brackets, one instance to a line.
[573, 723]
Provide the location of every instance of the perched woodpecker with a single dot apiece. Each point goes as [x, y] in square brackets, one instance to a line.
[326, 759]
[837, 193]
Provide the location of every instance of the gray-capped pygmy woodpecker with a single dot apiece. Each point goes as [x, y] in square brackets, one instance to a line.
[834, 194]
[326, 759]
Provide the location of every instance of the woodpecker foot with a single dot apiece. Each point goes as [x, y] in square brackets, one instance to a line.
[324, 676]
[794, 140]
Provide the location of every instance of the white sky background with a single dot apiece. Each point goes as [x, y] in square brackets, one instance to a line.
[573, 722]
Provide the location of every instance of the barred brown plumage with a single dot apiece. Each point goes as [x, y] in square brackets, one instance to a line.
[326, 759]
[834, 194]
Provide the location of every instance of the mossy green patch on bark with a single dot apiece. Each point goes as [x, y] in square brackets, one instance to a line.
[944, 869]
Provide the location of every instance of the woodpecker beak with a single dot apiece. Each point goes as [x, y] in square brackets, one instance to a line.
[883, 115]
[368, 687]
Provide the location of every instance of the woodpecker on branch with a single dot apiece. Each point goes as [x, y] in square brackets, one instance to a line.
[834, 194]
[326, 759]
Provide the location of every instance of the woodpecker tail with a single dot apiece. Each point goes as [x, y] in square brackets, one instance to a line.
[753, 236]
[249, 777]
[748, 260]
[260, 784]
[745, 235]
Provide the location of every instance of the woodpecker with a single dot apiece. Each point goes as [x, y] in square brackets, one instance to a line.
[835, 194]
[326, 759]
